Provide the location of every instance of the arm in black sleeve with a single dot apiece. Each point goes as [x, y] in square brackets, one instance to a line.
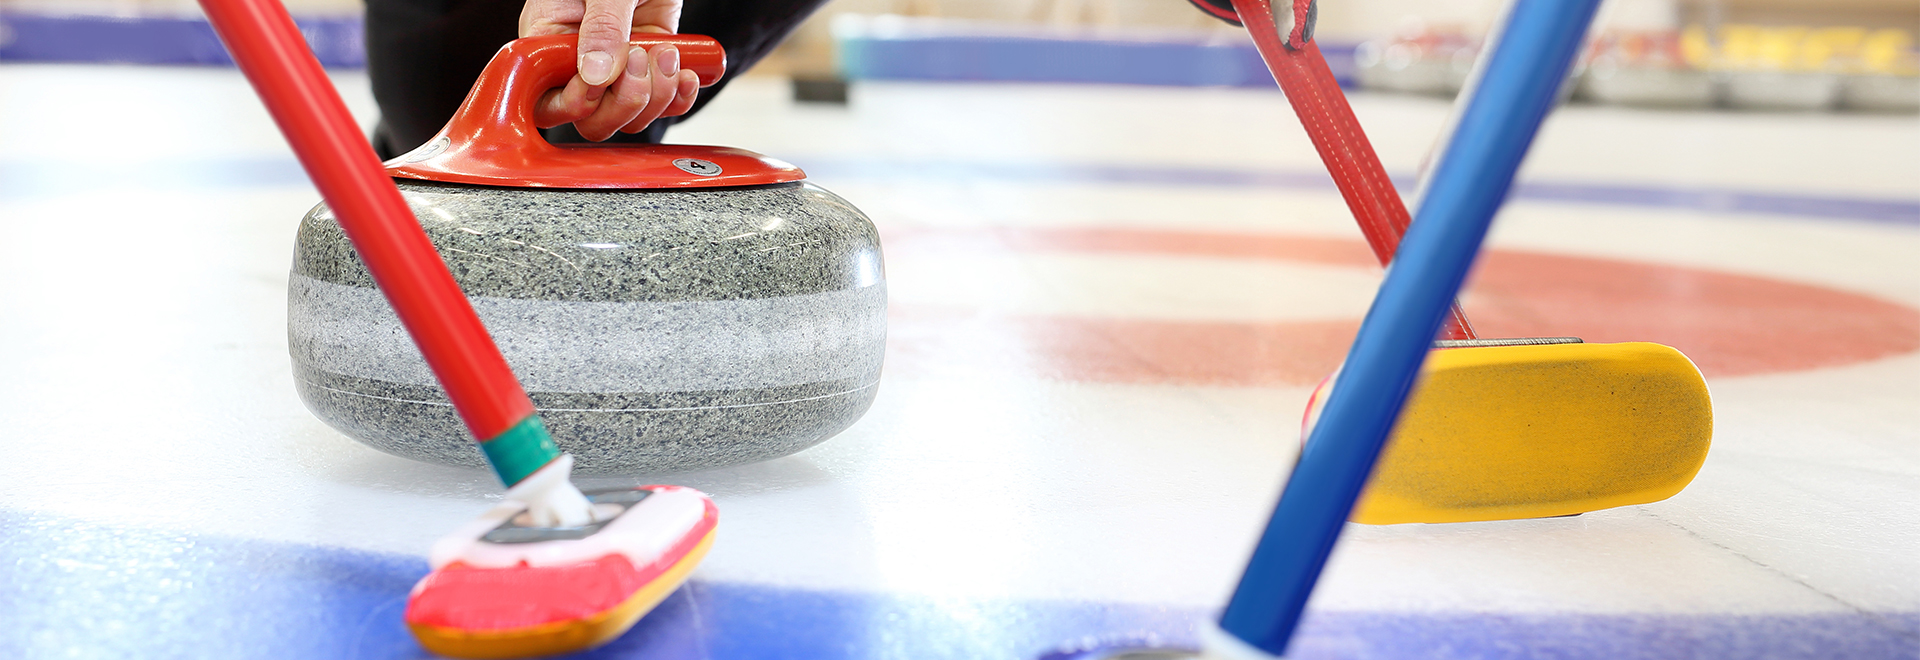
[1221, 9]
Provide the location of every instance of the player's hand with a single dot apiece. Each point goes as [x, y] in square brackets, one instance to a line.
[617, 88]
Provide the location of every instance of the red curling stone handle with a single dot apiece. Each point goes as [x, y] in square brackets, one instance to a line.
[493, 141]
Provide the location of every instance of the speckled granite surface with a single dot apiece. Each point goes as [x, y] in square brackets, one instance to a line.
[655, 330]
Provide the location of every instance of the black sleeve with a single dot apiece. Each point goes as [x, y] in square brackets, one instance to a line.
[1221, 9]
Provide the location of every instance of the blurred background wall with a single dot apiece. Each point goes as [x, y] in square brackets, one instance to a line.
[1761, 54]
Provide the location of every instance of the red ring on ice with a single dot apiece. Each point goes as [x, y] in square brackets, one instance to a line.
[1729, 324]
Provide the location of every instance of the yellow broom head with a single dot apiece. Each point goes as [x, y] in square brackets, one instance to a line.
[1535, 431]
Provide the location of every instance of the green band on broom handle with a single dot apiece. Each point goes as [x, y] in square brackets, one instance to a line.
[520, 450]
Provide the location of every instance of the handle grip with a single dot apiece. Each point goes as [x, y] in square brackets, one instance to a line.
[546, 62]
[504, 96]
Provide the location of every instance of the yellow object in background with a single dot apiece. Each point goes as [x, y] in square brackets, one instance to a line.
[1739, 46]
[1780, 48]
[1890, 52]
[1505, 432]
[1834, 47]
[1887, 51]
[1696, 48]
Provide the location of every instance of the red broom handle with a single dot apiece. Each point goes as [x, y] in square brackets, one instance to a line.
[274, 56]
[1323, 110]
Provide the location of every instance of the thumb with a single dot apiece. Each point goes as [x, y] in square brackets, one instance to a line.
[605, 27]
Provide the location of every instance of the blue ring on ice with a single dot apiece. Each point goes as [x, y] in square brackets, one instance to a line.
[70, 588]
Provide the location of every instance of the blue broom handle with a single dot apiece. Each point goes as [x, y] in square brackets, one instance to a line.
[1519, 86]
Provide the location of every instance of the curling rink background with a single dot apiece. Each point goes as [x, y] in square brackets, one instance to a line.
[1108, 307]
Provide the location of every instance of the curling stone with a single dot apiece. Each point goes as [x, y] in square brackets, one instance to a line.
[667, 307]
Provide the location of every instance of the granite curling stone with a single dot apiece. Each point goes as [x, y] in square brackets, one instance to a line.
[655, 330]
[666, 307]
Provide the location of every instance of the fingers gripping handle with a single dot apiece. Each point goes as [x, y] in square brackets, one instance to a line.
[552, 58]
[504, 97]
[493, 141]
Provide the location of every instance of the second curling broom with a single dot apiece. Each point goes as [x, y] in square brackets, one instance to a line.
[1498, 428]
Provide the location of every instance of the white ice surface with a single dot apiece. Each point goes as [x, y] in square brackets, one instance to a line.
[144, 378]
